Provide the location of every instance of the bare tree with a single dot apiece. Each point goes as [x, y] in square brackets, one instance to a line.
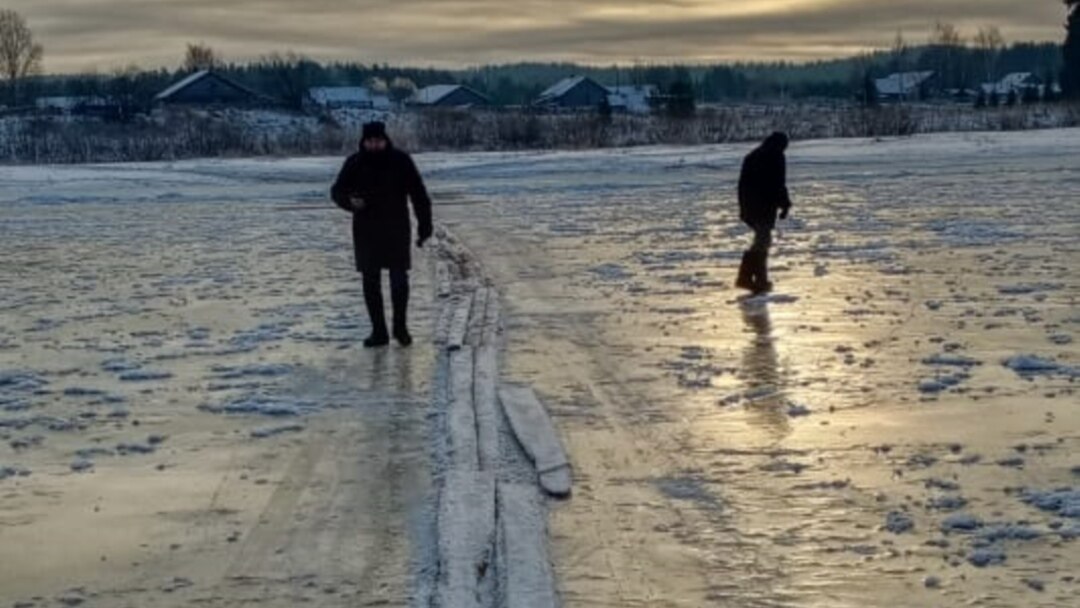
[200, 57]
[401, 88]
[20, 56]
[292, 76]
[990, 42]
[946, 46]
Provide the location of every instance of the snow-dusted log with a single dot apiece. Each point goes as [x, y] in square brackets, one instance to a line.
[466, 537]
[528, 578]
[536, 433]
[443, 286]
[477, 316]
[460, 322]
[461, 417]
[487, 414]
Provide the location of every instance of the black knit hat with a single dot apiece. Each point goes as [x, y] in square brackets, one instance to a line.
[374, 129]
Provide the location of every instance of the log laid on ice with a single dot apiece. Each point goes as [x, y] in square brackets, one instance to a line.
[492, 318]
[461, 415]
[485, 396]
[442, 324]
[443, 286]
[466, 537]
[477, 316]
[529, 581]
[536, 433]
[460, 322]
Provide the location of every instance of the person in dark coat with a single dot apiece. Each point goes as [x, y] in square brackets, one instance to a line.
[375, 186]
[762, 193]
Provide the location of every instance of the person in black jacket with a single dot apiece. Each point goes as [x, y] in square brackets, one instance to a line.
[762, 193]
[375, 185]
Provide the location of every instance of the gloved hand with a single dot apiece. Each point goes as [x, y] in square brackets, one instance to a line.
[425, 232]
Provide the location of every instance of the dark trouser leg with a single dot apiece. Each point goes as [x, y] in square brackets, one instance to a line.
[374, 301]
[759, 251]
[399, 297]
[745, 280]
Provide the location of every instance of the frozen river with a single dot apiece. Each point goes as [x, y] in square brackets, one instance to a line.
[897, 425]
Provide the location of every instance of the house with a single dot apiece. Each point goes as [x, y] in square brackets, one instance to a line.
[208, 88]
[335, 98]
[97, 107]
[633, 99]
[448, 96]
[575, 93]
[1017, 82]
[904, 86]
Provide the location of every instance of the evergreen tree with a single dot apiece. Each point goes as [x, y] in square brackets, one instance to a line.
[1070, 74]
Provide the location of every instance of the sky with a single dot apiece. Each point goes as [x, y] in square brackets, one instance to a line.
[101, 35]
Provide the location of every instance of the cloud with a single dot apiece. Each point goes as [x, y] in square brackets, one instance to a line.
[79, 34]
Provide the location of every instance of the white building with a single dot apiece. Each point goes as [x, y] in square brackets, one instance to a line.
[903, 86]
[633, 99]
[334, 98]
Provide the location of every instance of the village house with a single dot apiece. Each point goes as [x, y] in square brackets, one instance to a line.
[633, 99]
[904, 86]
[574, 93]
[208, 88]
[448, 96]
[336, 98]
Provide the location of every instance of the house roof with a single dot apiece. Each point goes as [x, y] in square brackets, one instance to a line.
[196, 77]
[435, 93]
[1011, 82]
[328, 95]
[564, 86]
[902, 83]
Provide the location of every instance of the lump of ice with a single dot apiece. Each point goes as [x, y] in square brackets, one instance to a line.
[987, 556]
[949, 502]
[227, 372]
[143, 375]
[1064, 502]
[951, 360]
[899, 522]
[20, 381]
[1030, 365]
[13, 471]
[998, 532]
[260, 405]
[119, 365]
[796, 411]
[960, 522]
[263, 433]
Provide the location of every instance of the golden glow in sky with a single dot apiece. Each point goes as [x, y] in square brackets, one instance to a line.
[105, 34]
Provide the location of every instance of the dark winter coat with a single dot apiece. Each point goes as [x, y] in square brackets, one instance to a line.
[763, 186]
[386, 181]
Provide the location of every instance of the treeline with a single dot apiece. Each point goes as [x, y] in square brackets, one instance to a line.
[287, 77]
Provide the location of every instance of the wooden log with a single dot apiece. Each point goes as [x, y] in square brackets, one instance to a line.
[529, 580]
[485, 396]
[460, 323]
[461, 414]
[534, 430]
[443, 286]
[466, 537]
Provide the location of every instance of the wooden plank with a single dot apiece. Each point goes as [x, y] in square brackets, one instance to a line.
[536, 433]
[485, 398]
[443, 285]
[460, 322]
[442, 325]
[461, 416]
[529, 580]
[476, 317]
[466, 537]
[493, 319]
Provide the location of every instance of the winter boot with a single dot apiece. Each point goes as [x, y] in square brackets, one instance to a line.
[760, 267]
[745, 280]
[399, 297]
[374, 301]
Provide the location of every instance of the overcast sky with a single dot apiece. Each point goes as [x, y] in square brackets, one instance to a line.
[105, 34]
